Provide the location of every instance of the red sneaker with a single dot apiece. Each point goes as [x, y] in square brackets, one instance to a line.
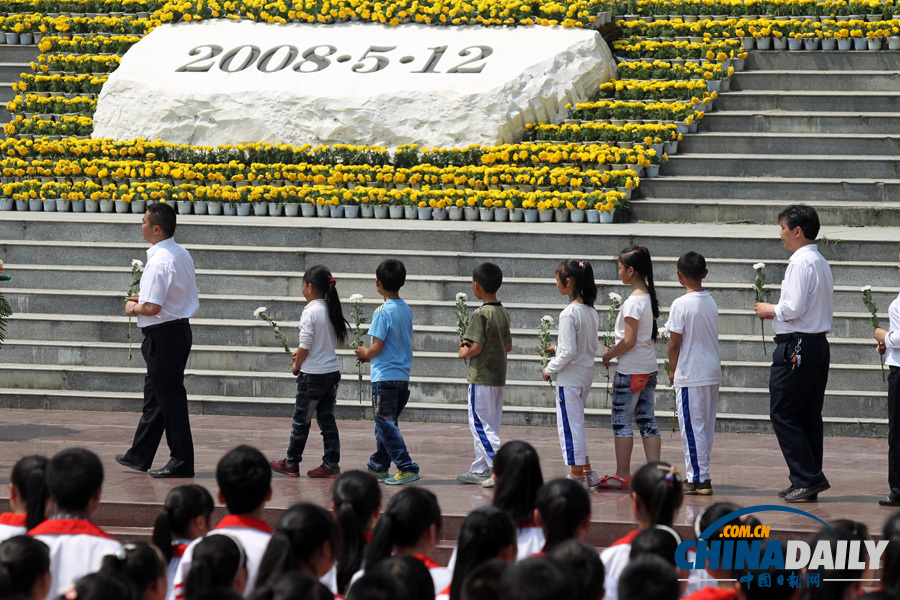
[285, 468]
[323, 472]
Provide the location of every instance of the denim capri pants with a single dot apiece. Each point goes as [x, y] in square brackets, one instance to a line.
[628, 406]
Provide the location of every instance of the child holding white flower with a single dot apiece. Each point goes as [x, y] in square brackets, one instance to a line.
[573, 365]
[635, 379]
[322, 328]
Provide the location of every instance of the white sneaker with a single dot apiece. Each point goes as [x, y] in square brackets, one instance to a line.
[488, 483]
[471, 477]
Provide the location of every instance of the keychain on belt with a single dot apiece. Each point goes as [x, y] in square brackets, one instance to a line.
[795, 357]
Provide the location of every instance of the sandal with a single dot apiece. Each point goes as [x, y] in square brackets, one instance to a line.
[614, 482]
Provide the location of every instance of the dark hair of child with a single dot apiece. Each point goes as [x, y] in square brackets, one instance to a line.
[488, 276]
[638, 258]
[244, 478]
[692, 265]
[835, 582]
[802, 216]
[659, 540]
[484, 582]
[484, 533]
[23, 560]
[518, 472]
[73, 476]
[412, 573]
[104, 586]
[752, 591]
[392, 274]
[320, 278]
[301, 532]
[536, 578]
[658, 488]
[649, 577]
[582, 273]
[891, 527]
[293, 586]
[29, 478]
[219, 593]
[356, 497]
[585, 567]
[403, 523]
[183, 504]
[564, 505]
[163, 215]
[216, 562]
[140, 563]
[890, 570]
[377, 586]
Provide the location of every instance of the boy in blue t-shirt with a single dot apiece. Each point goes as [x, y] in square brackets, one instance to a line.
[391, 356]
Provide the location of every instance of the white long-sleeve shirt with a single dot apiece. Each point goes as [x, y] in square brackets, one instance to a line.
[317, 335]
[806, 304]
[892, 339]
[576, 346]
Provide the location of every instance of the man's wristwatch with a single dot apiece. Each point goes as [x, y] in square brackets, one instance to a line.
[134, 306]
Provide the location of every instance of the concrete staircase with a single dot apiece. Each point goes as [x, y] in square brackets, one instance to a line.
[816, 127]
[67, 345]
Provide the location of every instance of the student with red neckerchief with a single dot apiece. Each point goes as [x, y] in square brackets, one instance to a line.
[486, 533]
[186, 516]
[356, 504]
[28, 497]
[563, 510]
[518, 477]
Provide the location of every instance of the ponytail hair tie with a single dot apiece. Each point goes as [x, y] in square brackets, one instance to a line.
[581, 265]
[332, 281]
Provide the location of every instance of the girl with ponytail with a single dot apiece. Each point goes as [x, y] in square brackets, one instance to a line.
[185, 516]
[635, 380]
[322, 328]
[303, 541]
[28, 497]
[143, 565]
[572, 365]
[517, 472]
[356, 504]
[218, 561]
[656, 494]
[486, 533]
[563, 510]
[24, 569]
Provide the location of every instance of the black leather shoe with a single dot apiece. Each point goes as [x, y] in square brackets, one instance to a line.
[120, 458]
[167, 473]
[890, 501]
[786, 491]
[810, 494]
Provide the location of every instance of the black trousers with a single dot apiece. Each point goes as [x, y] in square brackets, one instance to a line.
[796, 397]
[894, 432]
[166, 349]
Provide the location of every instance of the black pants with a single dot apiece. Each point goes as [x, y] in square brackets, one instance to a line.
[166, 349]
[796, 397]
[894, 432]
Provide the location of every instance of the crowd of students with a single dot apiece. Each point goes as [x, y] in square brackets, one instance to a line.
[528, 545]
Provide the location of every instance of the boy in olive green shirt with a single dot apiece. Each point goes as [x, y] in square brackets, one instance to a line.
[486, 342]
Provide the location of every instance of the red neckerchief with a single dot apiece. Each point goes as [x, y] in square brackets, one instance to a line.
[626, 539]
[426, 560]
[368, 536]
[70, 527]
[446, 591]
[527, 523]
[178, 550]
[244, 521]
[13, 519]
[537, 554]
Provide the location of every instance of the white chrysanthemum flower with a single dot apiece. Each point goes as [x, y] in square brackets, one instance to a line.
[547, 319]
[867, 288]
[137, 264]
[615, 296]
[259, 311]
[356, 297]
[462, 296]
[1, 263]
[662, 332]
[759, 266]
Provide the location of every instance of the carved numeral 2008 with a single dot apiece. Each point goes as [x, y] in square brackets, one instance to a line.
[193, 67]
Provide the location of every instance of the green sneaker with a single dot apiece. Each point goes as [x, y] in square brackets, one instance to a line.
[402, 477]
[379, 475]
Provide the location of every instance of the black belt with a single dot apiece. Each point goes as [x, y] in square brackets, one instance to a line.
[148, 328]
[784, 337]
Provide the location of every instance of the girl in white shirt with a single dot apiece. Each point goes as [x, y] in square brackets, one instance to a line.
[28, 497]
[322, 328]
[635, 380]
[185, 517]
[573, 365]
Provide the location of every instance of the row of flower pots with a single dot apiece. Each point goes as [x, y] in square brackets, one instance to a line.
[826, 43]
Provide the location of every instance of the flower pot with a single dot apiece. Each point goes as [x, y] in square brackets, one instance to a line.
[860, 43]
[829, 44]
[107, 206]
[652, 171]
[26, 38]
[322, 210]
[201, 207]
[138, 206]
[260, 209]
[455, 213]
[713, 85]
[367, 211]
[893, 42]
[423, 213]
[49, 205]
[747, 43]
[795, 43]
[35, 204]
[694, 126]
[670, 148]
[351, 211]
[726, 85]
[12, 37]
[763, 43]
[292, 209]
[439, 214]
[7, 203]
[593, 215]
[780, 43]
[531, 215]
[486, 214]
[517, 215]
[562, 215]
[577, 216]
[546, 216]
[122, 206]
[213, 208]
[471, 213]
[812, 43]
[607, 216]
[381, 212]
[184, 207]
[78, 206]
[307, 209]
[91, 206]
[874, 44]
[396, 212]
[410, 213]
[845, 44]
[229, 209]
[275, 209]
[336, 212]
[501, 214]
[738, 64]
[243, 209]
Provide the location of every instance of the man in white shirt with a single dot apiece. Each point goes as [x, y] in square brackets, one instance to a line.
[168, 298]
[800, 362]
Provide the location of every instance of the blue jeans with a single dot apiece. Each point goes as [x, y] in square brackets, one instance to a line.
[316, 393]
[388, 400]
[627, 406]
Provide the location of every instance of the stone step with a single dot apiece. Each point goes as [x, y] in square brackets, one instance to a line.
[819, 60]
[801, 122]
[794, 79]
[809, 101]
[12, 71]
[6, 93]
[796, 189]
[778, 165]
[749, 143]
[697, 210]
[20, 53]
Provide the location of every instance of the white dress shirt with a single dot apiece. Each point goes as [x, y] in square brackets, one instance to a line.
[317, 335]
[892, 339]
[170, 282]
[576, 346]
[806, 303]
